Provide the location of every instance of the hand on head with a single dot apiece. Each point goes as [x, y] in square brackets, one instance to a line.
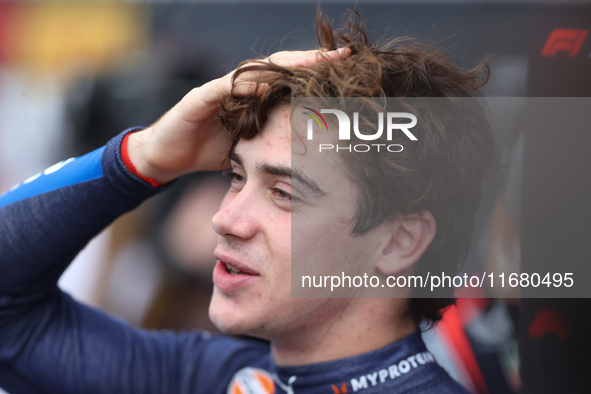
[190, 137]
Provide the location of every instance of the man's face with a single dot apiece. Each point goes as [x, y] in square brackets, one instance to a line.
[276, 203]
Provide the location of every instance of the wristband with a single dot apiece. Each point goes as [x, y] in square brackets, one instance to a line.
[131, 167]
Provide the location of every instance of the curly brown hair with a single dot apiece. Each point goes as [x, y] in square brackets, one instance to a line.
[441, 174]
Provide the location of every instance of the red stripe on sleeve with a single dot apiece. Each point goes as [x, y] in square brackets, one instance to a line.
[130, 166]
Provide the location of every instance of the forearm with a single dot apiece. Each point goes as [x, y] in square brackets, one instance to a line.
[46, 222]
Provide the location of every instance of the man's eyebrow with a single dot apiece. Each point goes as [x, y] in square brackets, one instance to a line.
[235, 157]
[266, 168]
[299, 176]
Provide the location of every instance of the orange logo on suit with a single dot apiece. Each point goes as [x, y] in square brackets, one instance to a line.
[252, 381]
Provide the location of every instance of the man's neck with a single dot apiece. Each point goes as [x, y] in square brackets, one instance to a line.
[361, 326]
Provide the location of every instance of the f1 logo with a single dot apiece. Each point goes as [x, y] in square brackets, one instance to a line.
[564, 40]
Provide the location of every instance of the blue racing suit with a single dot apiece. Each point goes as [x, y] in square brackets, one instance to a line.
[50, 343]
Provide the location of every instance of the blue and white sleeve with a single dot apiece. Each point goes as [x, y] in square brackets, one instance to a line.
[48, 342]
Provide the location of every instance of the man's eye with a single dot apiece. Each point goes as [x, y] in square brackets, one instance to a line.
[282, 195]
[234, 176]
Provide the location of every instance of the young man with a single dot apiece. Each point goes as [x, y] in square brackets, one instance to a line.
[51, 344]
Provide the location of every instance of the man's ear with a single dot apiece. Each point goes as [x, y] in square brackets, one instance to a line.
[407, 238]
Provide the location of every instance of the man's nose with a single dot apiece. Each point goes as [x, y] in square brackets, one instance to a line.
[237, 216]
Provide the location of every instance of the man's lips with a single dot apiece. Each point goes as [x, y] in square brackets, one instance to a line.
[234, 263]
[228, 282]
[231, 274]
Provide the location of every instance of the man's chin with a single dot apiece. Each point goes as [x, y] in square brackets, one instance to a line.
[230, 328]
[227, 320]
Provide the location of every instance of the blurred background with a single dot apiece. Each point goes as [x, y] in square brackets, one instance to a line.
[75, 74]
